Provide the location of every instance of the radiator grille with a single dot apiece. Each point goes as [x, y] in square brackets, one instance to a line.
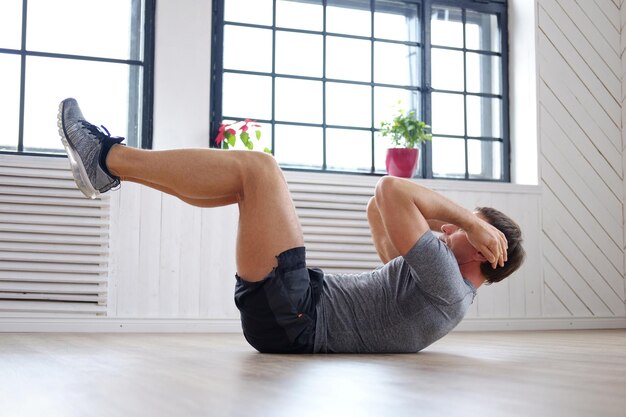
[53, 241]
[334, 221]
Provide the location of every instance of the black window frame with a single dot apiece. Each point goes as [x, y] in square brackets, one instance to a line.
[143, 100]
[497, 7]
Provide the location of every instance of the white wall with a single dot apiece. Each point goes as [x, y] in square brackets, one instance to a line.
[175, 261]
[172, 265]
[581, 157]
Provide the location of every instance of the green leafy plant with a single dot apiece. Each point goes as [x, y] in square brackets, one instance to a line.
[228, 133]
[405, 130]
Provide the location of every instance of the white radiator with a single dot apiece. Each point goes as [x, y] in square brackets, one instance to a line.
[53, 241]
[334, 221]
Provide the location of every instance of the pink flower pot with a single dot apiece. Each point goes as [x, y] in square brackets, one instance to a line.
[402, 162]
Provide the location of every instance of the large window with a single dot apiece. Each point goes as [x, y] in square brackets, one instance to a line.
[320, 76]
[99, 52]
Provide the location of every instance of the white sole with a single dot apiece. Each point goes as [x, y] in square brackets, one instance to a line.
[78, 169]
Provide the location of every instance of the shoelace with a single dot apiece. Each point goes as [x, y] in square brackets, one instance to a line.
[97, 132]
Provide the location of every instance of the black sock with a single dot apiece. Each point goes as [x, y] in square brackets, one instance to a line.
[107, 144]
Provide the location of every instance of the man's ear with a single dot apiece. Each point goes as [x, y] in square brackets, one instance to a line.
[479, 257]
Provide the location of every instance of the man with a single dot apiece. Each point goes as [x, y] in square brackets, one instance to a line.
[418, 296]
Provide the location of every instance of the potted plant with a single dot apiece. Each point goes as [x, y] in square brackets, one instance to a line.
[228, 133]
[405, 132]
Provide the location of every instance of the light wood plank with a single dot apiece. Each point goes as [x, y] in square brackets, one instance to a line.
[577, 259]
[609, 264]
[570, 196]
[603, 205]
[581, 15]
[169, 274]
[559, 145]
[577, 373]
[575, 307]
[189, 302]
[553, 306]
[596, 86]
[578, 100]
[218, 263]
[128, 251]
[149, 253]
[580, 287]
[604, 161]
[607, 24]
[574, 206]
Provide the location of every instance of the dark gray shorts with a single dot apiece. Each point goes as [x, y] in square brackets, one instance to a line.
[278, 313]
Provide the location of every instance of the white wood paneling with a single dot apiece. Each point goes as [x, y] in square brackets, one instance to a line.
[192, 257]
[172, 267]
[581, 90]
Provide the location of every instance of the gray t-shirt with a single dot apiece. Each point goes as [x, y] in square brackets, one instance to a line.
[404, 306]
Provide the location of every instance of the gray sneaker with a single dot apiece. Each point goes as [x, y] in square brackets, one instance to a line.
[87, 147]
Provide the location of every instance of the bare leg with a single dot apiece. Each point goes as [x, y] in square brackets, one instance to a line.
[198, 202]
[268, 223]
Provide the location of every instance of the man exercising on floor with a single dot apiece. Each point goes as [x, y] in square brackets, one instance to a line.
[419, 295]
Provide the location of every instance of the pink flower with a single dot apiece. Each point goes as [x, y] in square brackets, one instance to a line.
[220, 134]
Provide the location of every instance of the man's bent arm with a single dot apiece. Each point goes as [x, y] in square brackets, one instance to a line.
[404, 207]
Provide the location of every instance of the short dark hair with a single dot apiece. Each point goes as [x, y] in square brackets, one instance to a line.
[516, 253]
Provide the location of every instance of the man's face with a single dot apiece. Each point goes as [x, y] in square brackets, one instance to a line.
[456, 239]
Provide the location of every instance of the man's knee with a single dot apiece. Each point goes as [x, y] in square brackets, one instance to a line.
[261, 165]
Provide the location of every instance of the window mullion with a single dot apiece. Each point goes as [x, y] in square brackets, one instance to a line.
[20, 139]
[273, 116]
[324, 35]
[463, 19]
[427, 170]
[373, 136]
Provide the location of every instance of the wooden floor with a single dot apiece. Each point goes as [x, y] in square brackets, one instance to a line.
[566, 373]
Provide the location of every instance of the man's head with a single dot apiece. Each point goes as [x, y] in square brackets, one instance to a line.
[516, 253]
[456, 240]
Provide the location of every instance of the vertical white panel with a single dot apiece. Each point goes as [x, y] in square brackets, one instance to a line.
[169, 274]
[149, 252]
[189, 276]
[128, 290]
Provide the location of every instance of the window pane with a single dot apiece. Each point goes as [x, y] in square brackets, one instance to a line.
[481, 31]
[483, 73]
[348, 105]
[396, 64]
[448, 114]
[78, 27]
[381, 144]
[249, 11]
[483, 116]
[299, 54]
[386, 103]
[299, 146]
[247, 48]
[447, 69]
[349, 149]
[484, 159]
[299, 15]
[11, 24]
[446, 27]
[257, 92]
[350, 21]
[298, 100]
[396, 21]
[448, 157]
[100, 88]
[348, 59]
[10, 101]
